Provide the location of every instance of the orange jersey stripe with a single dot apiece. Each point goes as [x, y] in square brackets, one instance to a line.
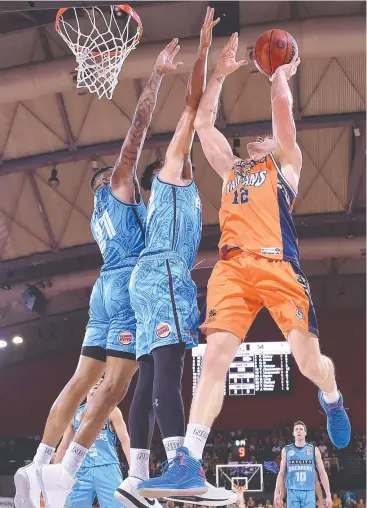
[256, 210]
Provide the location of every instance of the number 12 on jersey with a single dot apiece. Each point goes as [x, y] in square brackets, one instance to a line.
[240, 197]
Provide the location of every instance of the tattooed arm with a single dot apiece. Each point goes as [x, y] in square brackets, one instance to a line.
[177, 162]
[124, 182]
[215, 146]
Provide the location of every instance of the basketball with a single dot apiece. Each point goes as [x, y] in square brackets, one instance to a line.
[272, 49]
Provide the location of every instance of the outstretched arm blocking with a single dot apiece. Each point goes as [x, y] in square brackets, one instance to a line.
[123, 179]
[178, 152]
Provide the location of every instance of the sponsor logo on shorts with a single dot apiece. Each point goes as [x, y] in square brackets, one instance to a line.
[125, 338]
[299, 314]
[212, 314]
[163, 330]
[274, 251]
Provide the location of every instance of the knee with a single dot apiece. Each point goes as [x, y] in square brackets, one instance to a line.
[315, 367]
[114, 390]
[216, 361]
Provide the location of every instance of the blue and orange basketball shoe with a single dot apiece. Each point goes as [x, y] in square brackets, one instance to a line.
[183, 475]
[338, 424]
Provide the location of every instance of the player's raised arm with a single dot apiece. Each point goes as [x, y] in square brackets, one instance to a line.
[64, 443]
[284, 128]
[323, 477]
[178, 152]
[123, 180]
[215, 146]
[119, 425]
[278, 493]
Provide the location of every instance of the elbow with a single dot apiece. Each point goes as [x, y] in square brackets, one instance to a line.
[201, 122]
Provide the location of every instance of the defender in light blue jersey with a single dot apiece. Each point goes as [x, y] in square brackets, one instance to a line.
[301, 461]
[118, 225]
[162, 292]
[100, 473]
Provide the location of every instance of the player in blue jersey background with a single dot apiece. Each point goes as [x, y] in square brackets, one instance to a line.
[118, 225]
[163, 293]
[299, 466]
[100, 472]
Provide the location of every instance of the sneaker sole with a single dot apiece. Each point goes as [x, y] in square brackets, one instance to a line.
[129, 500]
[157, 493]
[40, 481]
[21, 484]
[204, 501]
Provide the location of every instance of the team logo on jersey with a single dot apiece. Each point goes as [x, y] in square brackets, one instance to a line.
[255, 179]
[308, 452]
[299, 314]
[163, 330]
[125, 338]
[291, 453]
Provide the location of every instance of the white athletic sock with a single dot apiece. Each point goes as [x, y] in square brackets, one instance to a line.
[171, 444]
[74, 457]
[331, 397]
[195, 439]
[139, 463]
[43, 454]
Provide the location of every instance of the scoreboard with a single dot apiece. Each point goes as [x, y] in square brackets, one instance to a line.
[259, 368]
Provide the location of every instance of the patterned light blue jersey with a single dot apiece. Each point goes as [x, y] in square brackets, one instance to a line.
[301, 467]
[103, 450]
[174, 220]
[118, 228]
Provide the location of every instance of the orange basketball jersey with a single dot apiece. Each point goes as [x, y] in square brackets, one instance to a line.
[256, 208]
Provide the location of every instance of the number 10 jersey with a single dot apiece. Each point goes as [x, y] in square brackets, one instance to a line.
[300, 467]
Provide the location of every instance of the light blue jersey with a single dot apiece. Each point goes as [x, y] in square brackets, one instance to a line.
[103, 450]
[162, 292]
[174, 220]
[118, 228]
[300, 467]
[100, 473]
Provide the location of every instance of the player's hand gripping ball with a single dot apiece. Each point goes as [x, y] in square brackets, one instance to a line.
[273, 49]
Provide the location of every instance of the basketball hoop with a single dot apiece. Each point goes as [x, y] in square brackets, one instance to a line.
[99, 44]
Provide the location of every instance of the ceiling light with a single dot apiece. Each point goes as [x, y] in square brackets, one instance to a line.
[6, 286]
[53, 181]
[3, 344]
[18, 340]
[94, 165]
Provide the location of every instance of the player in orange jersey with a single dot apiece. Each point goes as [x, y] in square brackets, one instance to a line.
[259, 267]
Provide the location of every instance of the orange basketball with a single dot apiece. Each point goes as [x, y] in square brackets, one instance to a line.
[272, 49]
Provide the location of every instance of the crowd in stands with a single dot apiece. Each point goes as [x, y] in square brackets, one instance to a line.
[221, 448]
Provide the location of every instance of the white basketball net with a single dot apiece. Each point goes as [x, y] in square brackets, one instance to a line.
[100, 46]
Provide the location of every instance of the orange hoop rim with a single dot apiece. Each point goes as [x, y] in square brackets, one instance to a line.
[123, 7]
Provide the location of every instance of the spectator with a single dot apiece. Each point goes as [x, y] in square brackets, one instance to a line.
[322, 448]
[327, 462]
[361, 504]
[268, 504]
[337, 502]
[334, 463]
[251, 502]
[349, 499]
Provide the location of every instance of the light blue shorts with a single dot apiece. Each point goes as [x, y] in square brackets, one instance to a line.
[100, 481]
[163, 296]
[112, 323]
[301, 498]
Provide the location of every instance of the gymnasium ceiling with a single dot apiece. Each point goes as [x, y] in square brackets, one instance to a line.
[44, 231]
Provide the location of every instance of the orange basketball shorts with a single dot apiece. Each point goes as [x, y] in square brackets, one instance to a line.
[241, 286]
